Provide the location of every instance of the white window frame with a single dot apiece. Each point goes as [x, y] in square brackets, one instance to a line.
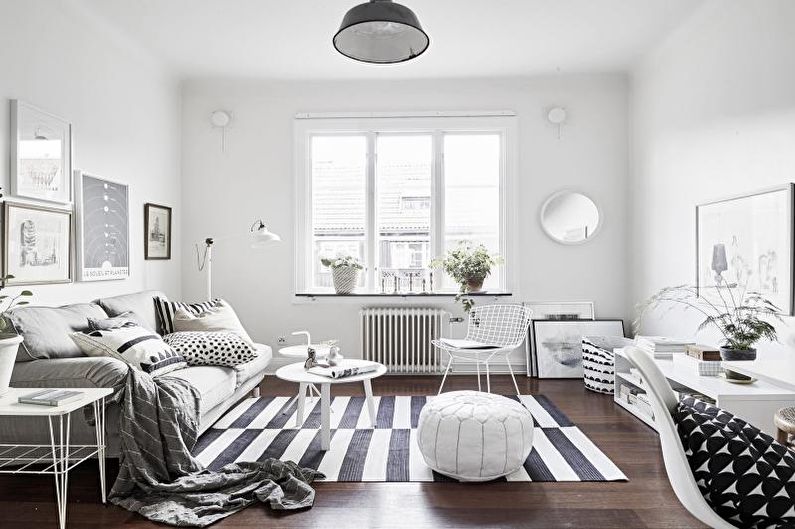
[435, 123]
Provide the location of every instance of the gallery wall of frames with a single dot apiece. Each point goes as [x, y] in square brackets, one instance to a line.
[63, 224]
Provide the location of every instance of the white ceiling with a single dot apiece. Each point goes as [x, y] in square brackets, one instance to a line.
[292, 38]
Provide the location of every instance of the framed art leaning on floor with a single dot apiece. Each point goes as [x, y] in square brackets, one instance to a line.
[37, 244]
[558, 344]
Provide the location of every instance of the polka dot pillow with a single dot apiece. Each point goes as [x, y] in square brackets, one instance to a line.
[224, 349]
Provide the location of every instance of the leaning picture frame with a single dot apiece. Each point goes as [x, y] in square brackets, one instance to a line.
[553, 310]
[558, 344]
[41, 155]
[748, 242]
[37, 244]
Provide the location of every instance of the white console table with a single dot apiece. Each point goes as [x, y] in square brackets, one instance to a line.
[755, 403]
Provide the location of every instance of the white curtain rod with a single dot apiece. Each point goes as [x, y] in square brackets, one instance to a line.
[428, 114]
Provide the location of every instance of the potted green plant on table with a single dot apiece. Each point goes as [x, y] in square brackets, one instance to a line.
[469, 266]
[345, 272]
[741, 317]
[9, 338]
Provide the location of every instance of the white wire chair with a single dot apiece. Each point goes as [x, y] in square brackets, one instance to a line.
[501, 325]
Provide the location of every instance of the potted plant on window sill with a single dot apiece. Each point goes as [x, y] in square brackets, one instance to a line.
[9, 338]
[741, 317]
[469, 266]
[345, 272]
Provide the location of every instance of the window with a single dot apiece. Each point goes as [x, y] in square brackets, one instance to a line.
[396, 194]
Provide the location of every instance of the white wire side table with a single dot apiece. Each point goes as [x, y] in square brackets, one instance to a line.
[59, 456]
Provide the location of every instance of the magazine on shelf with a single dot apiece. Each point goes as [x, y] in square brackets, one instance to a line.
[50, 397]
[467, 344]
[349, 368]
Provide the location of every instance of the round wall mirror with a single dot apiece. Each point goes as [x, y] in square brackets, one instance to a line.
[569, 217]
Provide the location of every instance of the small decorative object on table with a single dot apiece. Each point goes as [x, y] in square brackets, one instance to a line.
[345, 272]
[741, 316]
[9, 339]
[469, 266]
[334, 356]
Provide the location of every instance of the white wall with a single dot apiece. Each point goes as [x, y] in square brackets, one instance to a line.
[124, 109]
[224, 192]
[713, 115]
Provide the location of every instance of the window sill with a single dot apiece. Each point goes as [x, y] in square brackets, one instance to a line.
[451, 295]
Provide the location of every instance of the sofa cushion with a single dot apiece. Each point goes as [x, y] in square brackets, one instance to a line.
[220, 316]
[142, 304]
[166, 311]
[249, 370]
[131, 343]
[46, 330]
[215, 384]
[211, 348]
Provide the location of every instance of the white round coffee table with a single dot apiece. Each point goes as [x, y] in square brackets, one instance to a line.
[296, 373]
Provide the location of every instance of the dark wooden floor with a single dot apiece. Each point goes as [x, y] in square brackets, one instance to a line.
[646, 501]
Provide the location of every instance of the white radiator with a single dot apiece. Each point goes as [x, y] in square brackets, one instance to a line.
[400, 338]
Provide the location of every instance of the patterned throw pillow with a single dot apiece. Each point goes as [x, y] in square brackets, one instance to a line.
[132, 344]
[218, 317]
[745, 475]
[211, 348]
[166, 310]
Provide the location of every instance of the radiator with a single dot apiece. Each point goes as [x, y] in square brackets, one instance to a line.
[400, 338]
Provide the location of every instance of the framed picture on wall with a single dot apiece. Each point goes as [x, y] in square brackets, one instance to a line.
[157, 231]
[747, 242]
[553, 310]
[103, 235]
[37, 244]
[558, 344]
[41, 154]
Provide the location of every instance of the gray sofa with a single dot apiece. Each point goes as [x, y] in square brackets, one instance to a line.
[49, 358]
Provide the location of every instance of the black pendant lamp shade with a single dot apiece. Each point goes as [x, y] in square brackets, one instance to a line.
[381, 32]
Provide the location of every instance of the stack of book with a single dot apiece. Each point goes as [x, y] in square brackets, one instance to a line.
[704, 359]
[662, 347]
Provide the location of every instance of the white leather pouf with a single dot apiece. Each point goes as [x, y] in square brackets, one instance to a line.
[474, 436]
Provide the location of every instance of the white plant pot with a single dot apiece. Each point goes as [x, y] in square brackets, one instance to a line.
[345, 279]
[8, 355]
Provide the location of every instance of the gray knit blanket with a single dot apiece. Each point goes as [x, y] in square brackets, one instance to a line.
[160, 479]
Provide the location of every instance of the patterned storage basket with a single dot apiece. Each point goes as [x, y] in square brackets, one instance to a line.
[598, 362]
[345, 279]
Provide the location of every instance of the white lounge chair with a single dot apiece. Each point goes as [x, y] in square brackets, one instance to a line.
[663, 402]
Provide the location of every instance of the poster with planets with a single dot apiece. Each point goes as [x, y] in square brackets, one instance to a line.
[103, 228]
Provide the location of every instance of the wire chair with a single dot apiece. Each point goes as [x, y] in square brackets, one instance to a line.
[502, 327]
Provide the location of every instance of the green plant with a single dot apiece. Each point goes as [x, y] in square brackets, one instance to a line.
[741, 317]
[8, 302]
[466, 264]
[346, 261]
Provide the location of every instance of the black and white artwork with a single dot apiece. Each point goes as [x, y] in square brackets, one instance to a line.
[553, 310]
[558, 344]
[37, 244]
[41, 154]
[157, 231]
[103, 228]
[746, 243]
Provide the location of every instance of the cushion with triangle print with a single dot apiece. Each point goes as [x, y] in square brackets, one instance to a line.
[745, 475]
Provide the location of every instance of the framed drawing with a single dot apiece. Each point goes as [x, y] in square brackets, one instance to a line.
[37, 244]
[747, 242]
[157, 231]
[103, 235]
[41, 154]
[553, 310]
[558, 344]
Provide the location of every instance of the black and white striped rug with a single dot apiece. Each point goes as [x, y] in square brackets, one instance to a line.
[260, 428]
